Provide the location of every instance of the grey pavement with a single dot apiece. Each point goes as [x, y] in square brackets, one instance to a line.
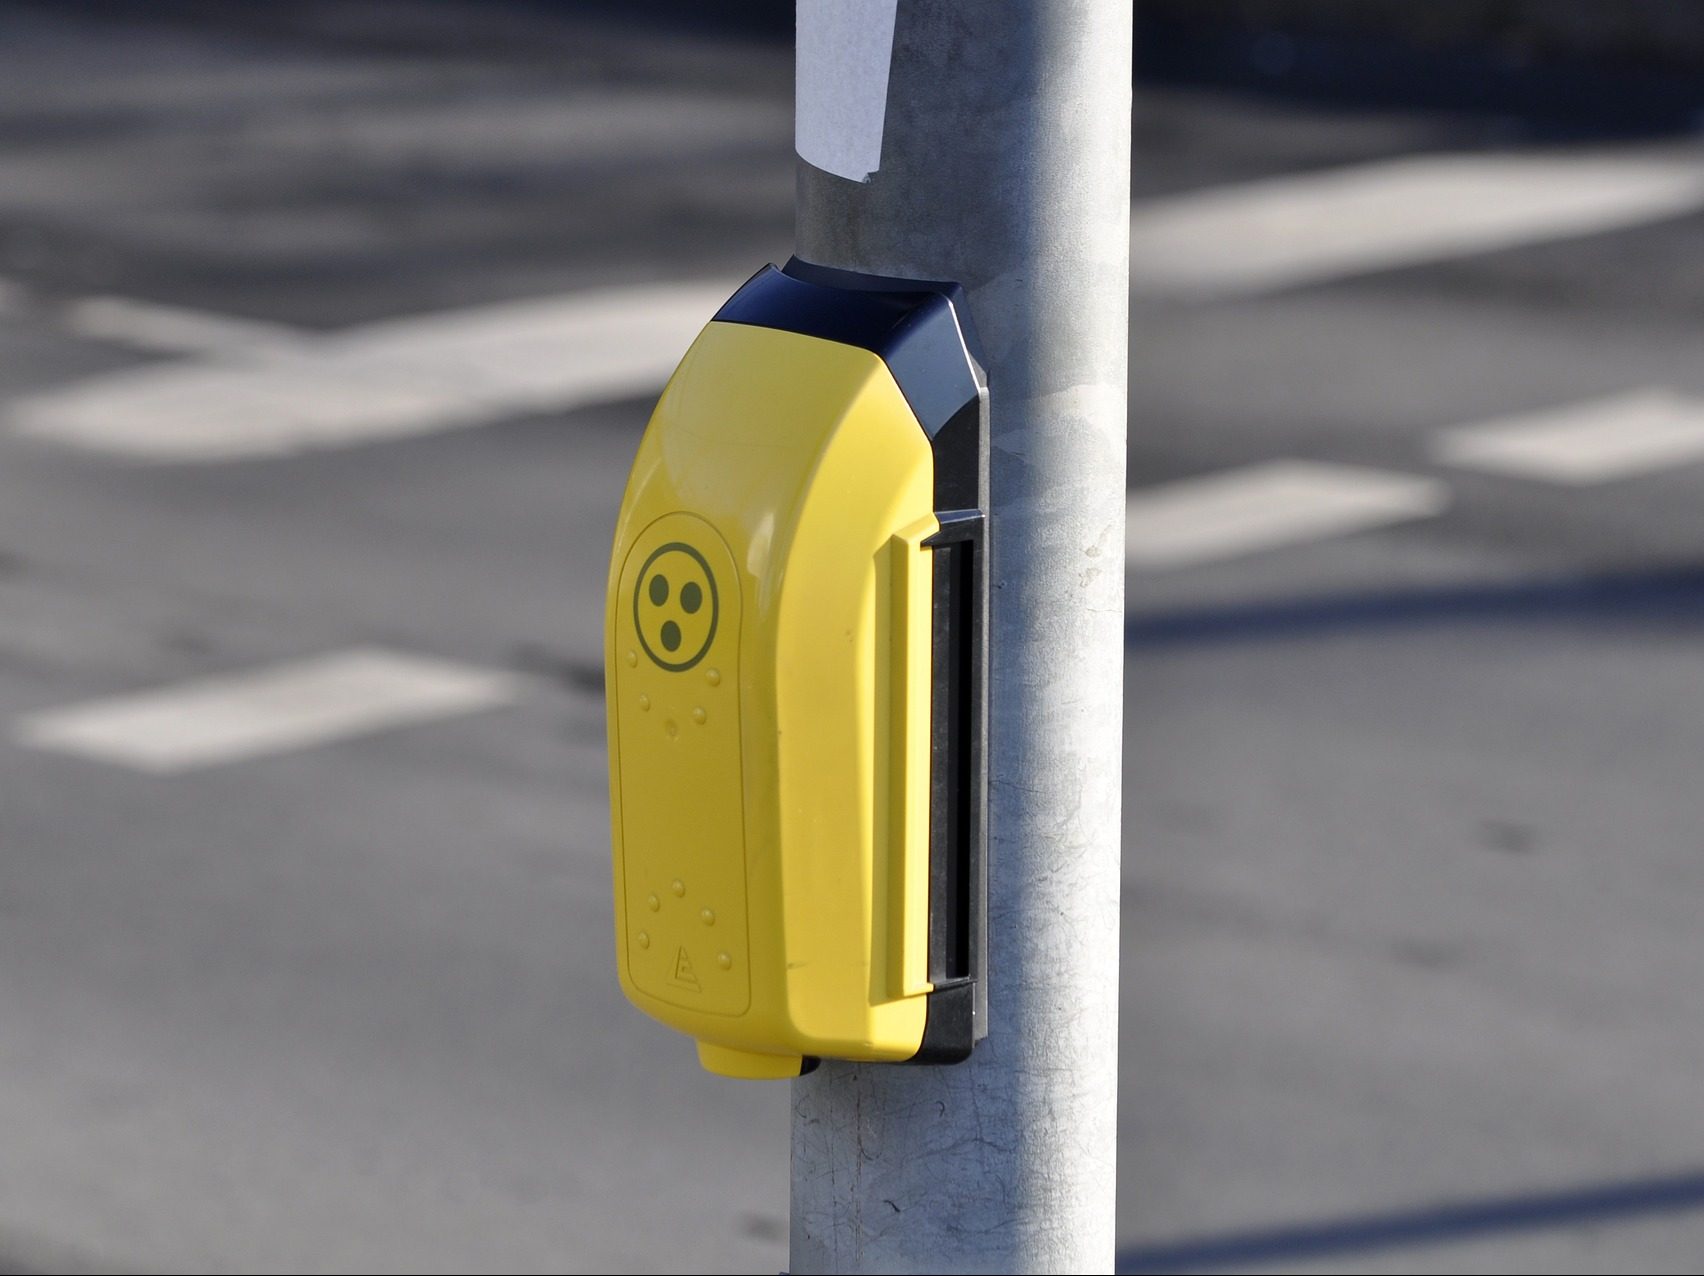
[1411, 878]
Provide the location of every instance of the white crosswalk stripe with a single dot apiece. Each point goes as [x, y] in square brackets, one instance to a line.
[266, 711]
[1639, 432]
[146, 325]
[1286, 231]
[386, 380]
[1266, 506]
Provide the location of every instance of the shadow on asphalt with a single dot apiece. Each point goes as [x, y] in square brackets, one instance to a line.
[1431, 1225]
[1665, 595]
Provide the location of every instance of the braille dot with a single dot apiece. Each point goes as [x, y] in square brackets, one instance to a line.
[653, 903]
[670, 729]
[632, 657]
[671, 634]
[707, 917]
[678, 886]
[698, 716]
[644, 701]
[644, 940]
[724, 961]
[691, 597]
[713, 677]
[659, 589]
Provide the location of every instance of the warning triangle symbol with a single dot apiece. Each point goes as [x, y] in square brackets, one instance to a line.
[683, 973]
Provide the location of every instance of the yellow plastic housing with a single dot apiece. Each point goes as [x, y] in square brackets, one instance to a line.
[768, 647]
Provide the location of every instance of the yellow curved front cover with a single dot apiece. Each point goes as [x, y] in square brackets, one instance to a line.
[769, 744]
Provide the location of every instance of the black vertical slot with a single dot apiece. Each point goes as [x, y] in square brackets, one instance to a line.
[949, 823]
[957, 907]
[955, 799]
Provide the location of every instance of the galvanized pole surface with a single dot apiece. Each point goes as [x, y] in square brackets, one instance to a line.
[1004, 165]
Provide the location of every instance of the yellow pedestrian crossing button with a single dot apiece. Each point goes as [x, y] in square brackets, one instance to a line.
[796, 675]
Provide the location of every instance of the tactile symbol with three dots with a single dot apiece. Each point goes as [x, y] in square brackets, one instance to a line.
[675, 607]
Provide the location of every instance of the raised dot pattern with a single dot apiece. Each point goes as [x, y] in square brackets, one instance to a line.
[677, 888]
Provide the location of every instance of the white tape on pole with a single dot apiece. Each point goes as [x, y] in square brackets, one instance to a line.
[843, 52]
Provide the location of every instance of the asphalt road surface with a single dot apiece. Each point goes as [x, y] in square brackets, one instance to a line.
[326, 336]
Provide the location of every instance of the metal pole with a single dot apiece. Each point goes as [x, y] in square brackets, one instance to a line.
[1004, 165]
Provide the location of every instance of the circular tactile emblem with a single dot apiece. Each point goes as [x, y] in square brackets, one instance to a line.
[674, 606]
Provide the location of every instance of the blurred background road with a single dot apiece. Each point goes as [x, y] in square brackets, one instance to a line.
[327, 333]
